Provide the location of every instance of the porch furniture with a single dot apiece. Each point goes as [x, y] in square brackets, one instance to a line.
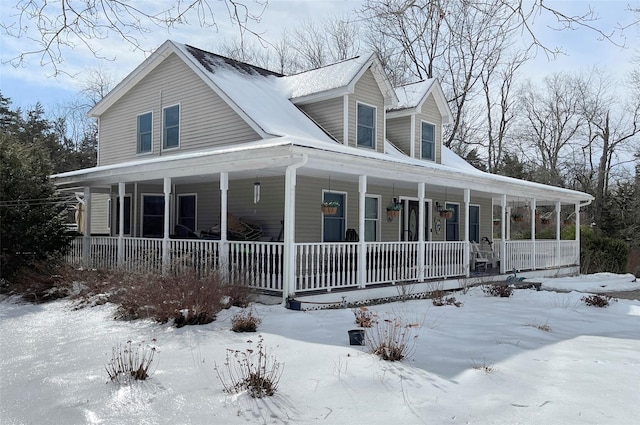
[242, 230]
[479, 258]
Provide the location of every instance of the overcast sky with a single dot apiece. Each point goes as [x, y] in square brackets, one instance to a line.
[32, 82]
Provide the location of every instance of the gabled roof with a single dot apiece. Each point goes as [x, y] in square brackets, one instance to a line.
[253, 93]
[412, 96]
[337, 80]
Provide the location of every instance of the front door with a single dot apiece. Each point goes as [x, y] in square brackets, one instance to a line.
[409, 220]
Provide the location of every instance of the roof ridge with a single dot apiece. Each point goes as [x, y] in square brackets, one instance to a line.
[248, 68]
[324, 66]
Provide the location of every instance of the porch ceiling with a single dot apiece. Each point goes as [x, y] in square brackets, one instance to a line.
[269, 158]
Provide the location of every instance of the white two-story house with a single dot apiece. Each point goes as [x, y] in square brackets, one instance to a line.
[210, 163]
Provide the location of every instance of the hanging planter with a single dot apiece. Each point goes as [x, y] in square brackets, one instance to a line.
[446, 213]
[545, 220]
[330, 207]
[393, 210]
[517, 217]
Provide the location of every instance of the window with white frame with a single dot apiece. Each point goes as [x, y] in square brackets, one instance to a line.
[428, 141]
[371, 218]
[366, 119]
[187, 211]
[453, 227]
[152, 216]
[474, 223]
[171, 127]
[333, 226]
[144, 134]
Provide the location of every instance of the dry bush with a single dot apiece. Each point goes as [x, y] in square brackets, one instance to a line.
[41, 282]
[487, 368]
[440, 301]
[364, 317]
[502, 291]
[391, 339]
[253, 370]
[245, 321]
[130, 362]
[598, 300]
[544, 327]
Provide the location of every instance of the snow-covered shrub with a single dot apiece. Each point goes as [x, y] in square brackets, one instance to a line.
[254, 371]
[391, 339]
[245, 321]
[130, 362]
[503, 291]
[441, 300]
[364, 317]
[598, 300]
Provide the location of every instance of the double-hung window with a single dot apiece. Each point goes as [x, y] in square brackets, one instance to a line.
[428, 141]
[152, 216]
[371, 218]
[366, 126]
[334, 225]
[187, 211]
[144, 138]
[171, 127]
[452, 229]
[474, 223]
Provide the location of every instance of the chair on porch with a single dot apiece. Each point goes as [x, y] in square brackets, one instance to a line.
[479, 260]
[239, 229]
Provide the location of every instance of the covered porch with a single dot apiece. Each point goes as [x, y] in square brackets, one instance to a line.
[300, 250]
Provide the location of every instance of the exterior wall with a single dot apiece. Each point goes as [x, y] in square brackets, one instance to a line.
[367, 91]
[99, 214]
[431, 115]
[205, 119]
[329, 115]
[399, 133]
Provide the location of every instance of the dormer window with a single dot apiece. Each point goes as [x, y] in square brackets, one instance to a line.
[366, 126]
[428, 141]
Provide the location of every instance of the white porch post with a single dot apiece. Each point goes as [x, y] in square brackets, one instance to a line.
[421, 243]
[558, 256]
[362, 246]
[503, 237]
[467, 246]
[577, 212]
[223, 247]
[86, 235]
[533, 233]
[121, 192]
[165, 239]
[289, 260]
[507, 219]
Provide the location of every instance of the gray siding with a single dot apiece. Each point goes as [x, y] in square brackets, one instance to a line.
[329, 114]
[205, 119]
[367, 91]
[431, 115]
[399, 133]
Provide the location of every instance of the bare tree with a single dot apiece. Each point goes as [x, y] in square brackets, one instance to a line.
[550, 125]
[611, 132]
[54, 26]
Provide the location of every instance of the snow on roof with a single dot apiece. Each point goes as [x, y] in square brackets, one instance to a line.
[258, 93]
[323, 79]
[410, 95]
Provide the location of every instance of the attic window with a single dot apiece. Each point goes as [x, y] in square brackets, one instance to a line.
[366, 126]
[171, 127]
[144, 132]
[428, 141]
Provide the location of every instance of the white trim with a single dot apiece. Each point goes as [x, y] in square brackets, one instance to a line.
[162, 118]
[412, 136]
[115, 215]
[345, 113]
[137, 134]
[375, 126]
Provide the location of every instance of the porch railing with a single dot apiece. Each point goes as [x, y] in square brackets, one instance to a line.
[318, 266]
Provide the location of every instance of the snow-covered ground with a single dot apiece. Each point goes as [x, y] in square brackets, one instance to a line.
[583, 369]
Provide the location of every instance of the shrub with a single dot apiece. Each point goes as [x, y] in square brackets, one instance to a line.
[43, 281]
[503, 291]
[245, 321]
[364, 317]
[602, 254]
[598, 300]
[441, 300]
[254, 371]
[130, 363]
[391, 340]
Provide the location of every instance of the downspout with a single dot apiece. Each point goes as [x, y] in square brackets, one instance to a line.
[288, 278]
